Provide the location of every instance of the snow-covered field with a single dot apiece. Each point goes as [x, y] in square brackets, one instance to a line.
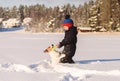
[22, 59]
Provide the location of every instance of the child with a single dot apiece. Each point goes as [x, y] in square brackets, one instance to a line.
[69, 41]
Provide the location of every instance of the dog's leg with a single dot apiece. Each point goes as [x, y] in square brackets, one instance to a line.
[62, 55]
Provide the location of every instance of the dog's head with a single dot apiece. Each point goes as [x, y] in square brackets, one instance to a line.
[55, 55]
[50, 48]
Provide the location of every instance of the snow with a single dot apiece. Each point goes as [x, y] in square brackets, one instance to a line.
[22, 58]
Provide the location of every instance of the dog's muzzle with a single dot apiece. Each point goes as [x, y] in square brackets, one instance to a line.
[45, 51]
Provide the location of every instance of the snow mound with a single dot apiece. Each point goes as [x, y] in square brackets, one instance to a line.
[42, 66]
[9, 67]
[70, 71]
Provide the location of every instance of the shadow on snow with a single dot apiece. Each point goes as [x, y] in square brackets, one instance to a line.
[96, 60]
[10, 29]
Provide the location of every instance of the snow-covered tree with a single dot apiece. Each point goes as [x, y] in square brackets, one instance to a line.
[109, 14]
[93, 16]
[105, 13]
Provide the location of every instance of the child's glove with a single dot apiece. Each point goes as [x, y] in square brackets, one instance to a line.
[58, 45]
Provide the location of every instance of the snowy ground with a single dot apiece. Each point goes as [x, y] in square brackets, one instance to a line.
[22, 59]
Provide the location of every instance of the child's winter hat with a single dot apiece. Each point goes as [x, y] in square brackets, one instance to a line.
[68, 22]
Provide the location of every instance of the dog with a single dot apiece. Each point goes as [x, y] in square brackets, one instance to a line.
[54, 55]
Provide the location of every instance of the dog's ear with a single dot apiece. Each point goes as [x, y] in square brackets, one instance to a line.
[47, 49]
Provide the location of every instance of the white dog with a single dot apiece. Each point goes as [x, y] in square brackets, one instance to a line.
[55, 55]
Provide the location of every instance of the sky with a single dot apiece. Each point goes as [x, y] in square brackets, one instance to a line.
[49, 3]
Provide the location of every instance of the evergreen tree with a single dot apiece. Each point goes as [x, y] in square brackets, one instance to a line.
[21, 12]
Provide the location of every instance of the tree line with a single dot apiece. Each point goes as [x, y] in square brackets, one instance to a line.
[95, 14]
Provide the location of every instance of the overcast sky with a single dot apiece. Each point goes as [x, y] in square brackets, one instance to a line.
[9, 3]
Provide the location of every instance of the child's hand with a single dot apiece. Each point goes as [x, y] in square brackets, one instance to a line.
[58, 45]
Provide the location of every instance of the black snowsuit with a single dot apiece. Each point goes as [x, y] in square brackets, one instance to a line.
[69, 43]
